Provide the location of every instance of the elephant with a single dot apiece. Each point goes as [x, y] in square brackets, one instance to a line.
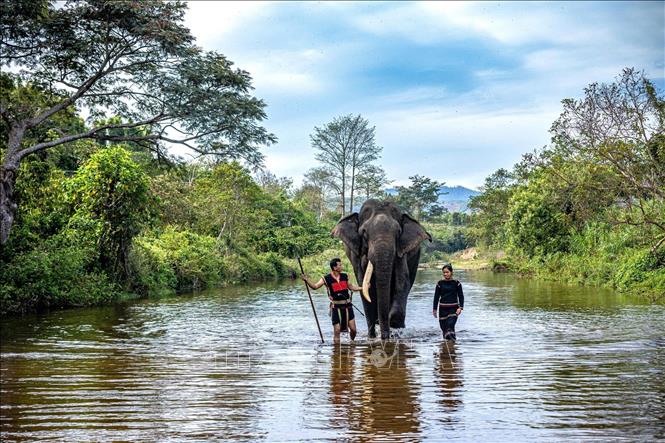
[383, 245]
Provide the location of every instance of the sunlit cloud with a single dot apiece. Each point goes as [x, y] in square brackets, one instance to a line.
[211, 20]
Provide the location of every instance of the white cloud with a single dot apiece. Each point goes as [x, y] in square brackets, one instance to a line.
[208, 21]
[286, 72]
[517, 23]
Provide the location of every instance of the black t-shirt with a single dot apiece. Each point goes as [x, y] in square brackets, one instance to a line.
[448, 292]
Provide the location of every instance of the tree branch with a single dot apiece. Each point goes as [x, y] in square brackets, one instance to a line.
[89, 134]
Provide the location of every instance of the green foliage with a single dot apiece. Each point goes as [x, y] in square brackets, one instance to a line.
[60, 272]
[112, 189]
[226, 203]
[43, 211]
[175, 260]
[640, 267]
[446, 240]
[534, 226]
[289, 231]
[488, 222]
[317, 265]
[419, 195]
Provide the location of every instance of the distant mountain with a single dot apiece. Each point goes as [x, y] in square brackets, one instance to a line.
[456, 193]
[454, 199]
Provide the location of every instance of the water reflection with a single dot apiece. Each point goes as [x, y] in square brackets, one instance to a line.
[344, 387]
[448, 379]
[388, 399]
[559, 362]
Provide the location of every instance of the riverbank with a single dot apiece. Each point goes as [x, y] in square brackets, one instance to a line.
[634, 271]
[469, 259]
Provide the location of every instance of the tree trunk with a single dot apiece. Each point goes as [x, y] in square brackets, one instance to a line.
[8, 173]
[8, 206]
[343, 195]
[353, 182]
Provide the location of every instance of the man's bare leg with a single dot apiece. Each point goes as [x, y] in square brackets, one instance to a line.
[336, 329]
[352, 329]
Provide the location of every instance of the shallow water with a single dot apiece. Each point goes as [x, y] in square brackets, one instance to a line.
[533, 360]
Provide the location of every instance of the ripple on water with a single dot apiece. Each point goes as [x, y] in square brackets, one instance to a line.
[247, 364]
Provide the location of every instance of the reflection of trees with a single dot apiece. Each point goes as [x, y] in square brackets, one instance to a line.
[448, 377]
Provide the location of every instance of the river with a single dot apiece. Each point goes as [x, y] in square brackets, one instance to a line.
[533, 360]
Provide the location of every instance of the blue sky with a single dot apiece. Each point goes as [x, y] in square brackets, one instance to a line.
[456, 90]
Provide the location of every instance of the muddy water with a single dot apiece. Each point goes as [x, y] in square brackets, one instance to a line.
[533, 361]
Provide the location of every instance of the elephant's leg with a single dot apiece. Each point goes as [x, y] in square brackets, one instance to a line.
[402, 288]
[397, 314]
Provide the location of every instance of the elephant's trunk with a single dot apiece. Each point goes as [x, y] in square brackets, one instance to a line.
[383, 262]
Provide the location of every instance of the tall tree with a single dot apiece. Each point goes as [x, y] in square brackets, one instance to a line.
[422, 192]
[491, 207]
[617, 131]
[135, 60]
[272, 184]
[323, 181]
[345, 146]
[310, 198]
[113, 190]
[227, 204]
[371, 181]
[363, 150]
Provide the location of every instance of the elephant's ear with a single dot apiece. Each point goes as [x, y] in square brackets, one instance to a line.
[412, 235]
[347, 231]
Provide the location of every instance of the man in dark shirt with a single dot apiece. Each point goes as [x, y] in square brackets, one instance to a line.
[449, 299]
[338, 286]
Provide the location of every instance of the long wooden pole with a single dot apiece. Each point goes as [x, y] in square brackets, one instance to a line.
[310, 300]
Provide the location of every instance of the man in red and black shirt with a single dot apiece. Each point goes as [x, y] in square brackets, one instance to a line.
[338, 286]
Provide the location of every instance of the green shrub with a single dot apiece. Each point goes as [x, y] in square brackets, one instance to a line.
[61, 272]
[179, 260]
[152, 272]
[640, 266]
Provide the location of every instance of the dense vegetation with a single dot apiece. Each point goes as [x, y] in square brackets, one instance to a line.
[589, 208]
[112, 227]
[95, 208]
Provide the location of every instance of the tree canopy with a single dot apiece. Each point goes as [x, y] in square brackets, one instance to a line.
[418, 196]
[345, 146]
[135, 60]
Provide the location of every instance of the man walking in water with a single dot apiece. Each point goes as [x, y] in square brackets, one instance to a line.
[338, 286]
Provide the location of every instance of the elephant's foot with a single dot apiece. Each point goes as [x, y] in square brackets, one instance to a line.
[371, 332]
[397, 316]
[385, 333]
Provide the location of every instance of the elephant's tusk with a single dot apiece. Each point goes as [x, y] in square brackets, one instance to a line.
[368, 277]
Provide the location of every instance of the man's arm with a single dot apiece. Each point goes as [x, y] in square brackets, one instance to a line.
[355, 287]
[318, 284]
